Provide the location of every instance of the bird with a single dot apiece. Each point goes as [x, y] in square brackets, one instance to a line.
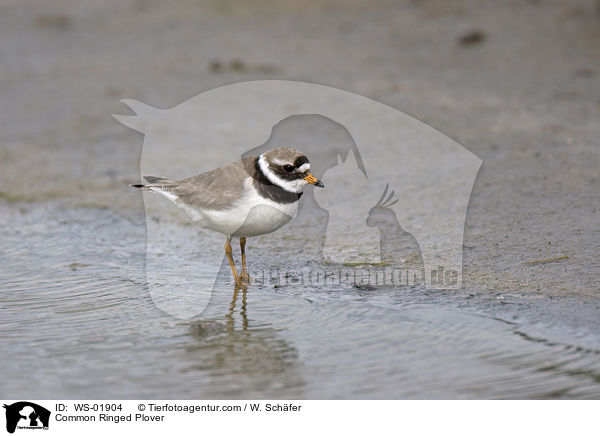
[252, 196]
[396, 246]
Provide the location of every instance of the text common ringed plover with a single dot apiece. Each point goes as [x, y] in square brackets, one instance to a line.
[250, 197]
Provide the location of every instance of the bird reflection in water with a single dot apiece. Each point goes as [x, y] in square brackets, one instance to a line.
[244, 356]
[244, 315]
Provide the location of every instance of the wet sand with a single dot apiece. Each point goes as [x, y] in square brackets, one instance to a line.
[78, 319]
[523, 94]
[515, 82]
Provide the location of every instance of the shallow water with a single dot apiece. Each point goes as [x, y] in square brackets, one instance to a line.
[78, 322]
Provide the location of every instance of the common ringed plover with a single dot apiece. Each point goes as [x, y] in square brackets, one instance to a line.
[250, 197]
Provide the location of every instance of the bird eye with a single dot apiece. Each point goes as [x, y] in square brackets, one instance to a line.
[288, 168]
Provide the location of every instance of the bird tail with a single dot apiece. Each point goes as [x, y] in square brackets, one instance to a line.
[159, 183]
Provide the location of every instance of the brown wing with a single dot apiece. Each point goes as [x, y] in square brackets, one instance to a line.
[215, 189]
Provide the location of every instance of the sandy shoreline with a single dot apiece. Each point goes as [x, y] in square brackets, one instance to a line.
[517, 83]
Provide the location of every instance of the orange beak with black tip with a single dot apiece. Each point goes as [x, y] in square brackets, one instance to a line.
[314, 181]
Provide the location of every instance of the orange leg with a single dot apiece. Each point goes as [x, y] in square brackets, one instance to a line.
[230, 259]
[244, 277]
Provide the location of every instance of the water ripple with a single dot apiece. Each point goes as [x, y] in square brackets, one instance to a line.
[76, 317]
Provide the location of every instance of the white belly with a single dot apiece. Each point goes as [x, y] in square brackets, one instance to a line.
[253, 215]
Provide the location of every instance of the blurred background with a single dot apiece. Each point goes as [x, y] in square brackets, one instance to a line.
[517, 82]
